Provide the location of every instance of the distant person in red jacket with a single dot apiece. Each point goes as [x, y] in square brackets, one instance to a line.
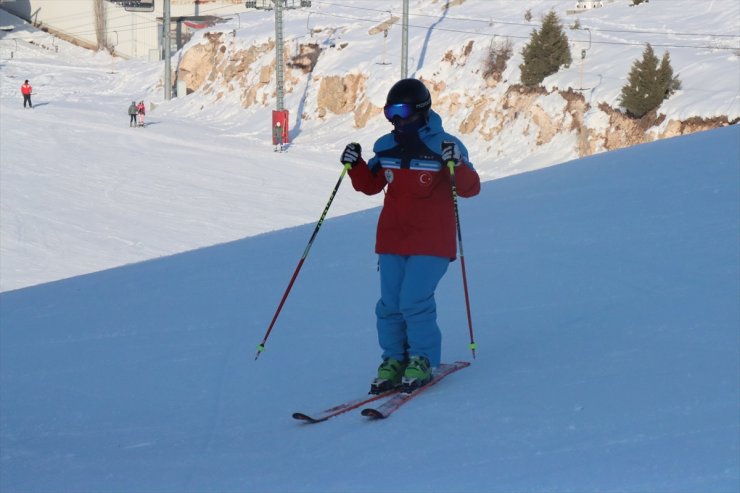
[27, 90]
[141, 110]
[416, 234]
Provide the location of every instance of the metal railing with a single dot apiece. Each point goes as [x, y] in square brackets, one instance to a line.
[135, 5]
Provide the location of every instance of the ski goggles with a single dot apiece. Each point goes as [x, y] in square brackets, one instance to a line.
[400, 110]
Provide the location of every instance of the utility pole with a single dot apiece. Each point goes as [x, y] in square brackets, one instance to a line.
[280, 115]
[167, 49]
[405, 41]
[279, 6]
[279, 69]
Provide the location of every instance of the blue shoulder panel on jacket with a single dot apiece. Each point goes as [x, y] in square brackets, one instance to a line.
[432, 135]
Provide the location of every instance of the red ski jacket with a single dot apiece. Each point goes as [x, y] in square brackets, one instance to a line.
[418, 215]
[26, 89]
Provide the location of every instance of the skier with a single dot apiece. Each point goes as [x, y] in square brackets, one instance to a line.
[415, 237]
[133, 110]
[27, 90]
[141, 110]
[277, 134]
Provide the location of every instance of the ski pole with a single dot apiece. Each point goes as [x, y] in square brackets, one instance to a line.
[261, 346]
[472, 345]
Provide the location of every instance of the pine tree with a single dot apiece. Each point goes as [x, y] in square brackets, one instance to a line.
[648, 84]
[546, 51]
[533, 68]
[668, 82]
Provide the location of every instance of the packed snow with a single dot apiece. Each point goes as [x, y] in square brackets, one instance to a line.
[139, 269]
[203, 171]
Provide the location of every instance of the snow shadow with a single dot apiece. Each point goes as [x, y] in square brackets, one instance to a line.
[605, 296]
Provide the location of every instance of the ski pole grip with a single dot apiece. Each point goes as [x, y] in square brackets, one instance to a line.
[451, 163]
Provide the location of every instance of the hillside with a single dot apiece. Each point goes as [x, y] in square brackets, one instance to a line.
[216, 141]
[340, 66]
[606, 304]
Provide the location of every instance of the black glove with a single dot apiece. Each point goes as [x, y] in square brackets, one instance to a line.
[450, 152]
[352, 154]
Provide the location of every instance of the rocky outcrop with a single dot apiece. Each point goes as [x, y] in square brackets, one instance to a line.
[695, 124]
[217, 65]
[213, 68]
[345, 94]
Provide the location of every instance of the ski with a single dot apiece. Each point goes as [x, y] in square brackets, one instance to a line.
[384, 410]
[320, 416]
[399, 399]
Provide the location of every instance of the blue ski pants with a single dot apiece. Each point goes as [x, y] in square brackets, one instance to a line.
[406, 311]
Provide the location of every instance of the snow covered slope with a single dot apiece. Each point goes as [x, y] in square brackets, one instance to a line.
[605, 297]
[81, 192]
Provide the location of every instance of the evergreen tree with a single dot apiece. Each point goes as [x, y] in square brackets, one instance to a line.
[668, 82]
[648, 84]
[546, 52]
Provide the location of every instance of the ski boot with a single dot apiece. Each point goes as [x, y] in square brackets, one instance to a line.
[417, 374]
[390, 372]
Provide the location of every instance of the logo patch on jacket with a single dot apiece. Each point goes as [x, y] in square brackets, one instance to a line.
[425, 179]
[389, 175]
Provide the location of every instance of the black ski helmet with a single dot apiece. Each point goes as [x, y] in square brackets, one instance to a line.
[412, 92]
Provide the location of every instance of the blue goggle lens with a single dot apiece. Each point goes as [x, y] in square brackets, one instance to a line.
[401, 110]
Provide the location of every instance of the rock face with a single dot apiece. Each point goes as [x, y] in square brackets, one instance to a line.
[217, 65]
[214, 68]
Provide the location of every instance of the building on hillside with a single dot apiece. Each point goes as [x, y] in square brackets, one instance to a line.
[589, 4]
[128, 28]
[586, 5]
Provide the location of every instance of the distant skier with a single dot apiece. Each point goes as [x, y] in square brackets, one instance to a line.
[416, 232]
[141, 110]
[27, 90]
[277, 133]
[133, 111]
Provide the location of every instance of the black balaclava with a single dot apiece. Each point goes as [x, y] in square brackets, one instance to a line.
[406, 131]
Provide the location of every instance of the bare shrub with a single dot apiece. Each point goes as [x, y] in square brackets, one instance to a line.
[499, 54]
